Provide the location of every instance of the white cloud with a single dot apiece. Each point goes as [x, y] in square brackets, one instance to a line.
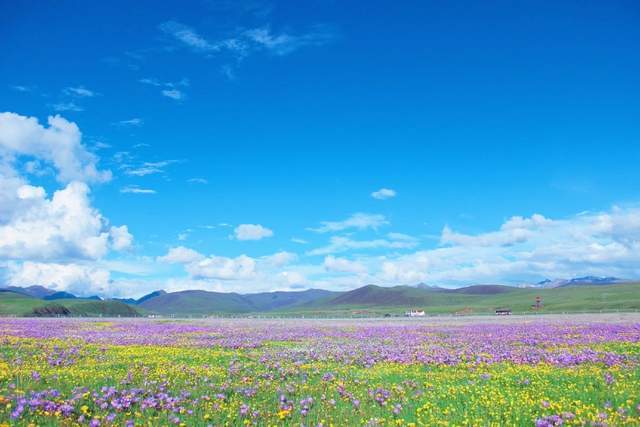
[57, 240]
[59, 144]
[360, 221]
[244, 42]
[343, 265]
[173, 94]
[21, 88]
[342, 244]
[67, 106]
[186, 35]
[157, 83]
[284, 43]
[132, 189]
[78, 279]
[528, 249]
[401, 236]
[181, 255]
[120, 237]
[299, 241]
[80, 92]
[147, 168]
[136, 121]
[252, 232]
[280, 259]
[292, 278]
[223, 268]
[65, 226]
[383, 194]
[515, 230]
[197, 181]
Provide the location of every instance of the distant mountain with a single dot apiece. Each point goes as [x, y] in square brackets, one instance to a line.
[267, 301]
[425, 286]
[592, 280]
[149, 296]
[483, 290]
[59, 295]
[196, 302]
[130, 301]
[205, 302]
[35, 291]
[372, 295]
[577, 281]
[560, 294]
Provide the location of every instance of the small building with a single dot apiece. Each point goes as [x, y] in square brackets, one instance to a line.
[415, 313]
[503, 311]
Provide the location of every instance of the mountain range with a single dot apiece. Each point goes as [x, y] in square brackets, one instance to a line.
[583, 293]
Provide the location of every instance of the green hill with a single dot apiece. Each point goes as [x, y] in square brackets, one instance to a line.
[480, 299]
[15, 304]
[477, 299]
[205, 302]
[196, 302]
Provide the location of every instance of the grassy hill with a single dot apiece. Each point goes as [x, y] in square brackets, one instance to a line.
[15, 304]
[205, 302]
[196, 302]
[478, 299]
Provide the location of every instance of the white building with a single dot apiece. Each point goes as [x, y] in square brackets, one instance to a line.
[415, 313]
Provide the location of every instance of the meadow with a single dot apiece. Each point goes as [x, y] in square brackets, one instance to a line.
[135, 372]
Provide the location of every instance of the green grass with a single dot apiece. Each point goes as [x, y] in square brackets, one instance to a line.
[462, 394]
[13, 304]
[570, 299]
[370, 300]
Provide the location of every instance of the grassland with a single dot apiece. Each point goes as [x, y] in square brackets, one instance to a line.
[243, 372]
[14, 304]
[365, 301]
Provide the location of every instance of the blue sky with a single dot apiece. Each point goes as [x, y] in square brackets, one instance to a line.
[223, 135]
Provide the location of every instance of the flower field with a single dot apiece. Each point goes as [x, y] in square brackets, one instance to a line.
[311, 373]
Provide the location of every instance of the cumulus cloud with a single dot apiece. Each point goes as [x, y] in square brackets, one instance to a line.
[359, 221]
[280, 259]
[120, 237]
[55, 240]
[78, 279]
[65, 226]
[292, 279]
[181, 255]
[383, 194]
[528, 249]
[242, 273]
[343, 265]
[252, 232]
[58, 144]
[223, 268]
